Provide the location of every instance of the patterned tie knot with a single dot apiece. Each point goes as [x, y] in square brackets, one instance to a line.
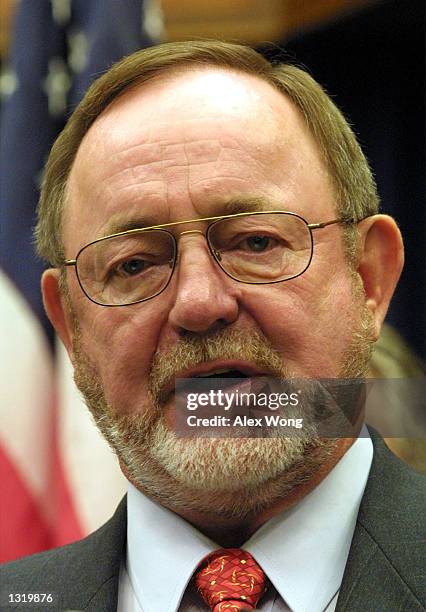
[230, 580]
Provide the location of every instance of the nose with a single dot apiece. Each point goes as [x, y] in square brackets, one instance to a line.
[204, 298]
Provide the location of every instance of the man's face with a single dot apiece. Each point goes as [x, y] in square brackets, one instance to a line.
[184, 148]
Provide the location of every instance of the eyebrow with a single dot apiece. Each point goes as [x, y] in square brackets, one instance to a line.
[119, 224]
[232, 206]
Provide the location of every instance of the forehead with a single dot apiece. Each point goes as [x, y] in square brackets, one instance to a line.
[186, 142]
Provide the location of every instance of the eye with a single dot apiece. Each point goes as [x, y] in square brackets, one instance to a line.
[132, 267]
[258, 244]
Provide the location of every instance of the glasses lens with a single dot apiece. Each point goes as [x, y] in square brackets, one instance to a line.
[262, 248]
[126, 269]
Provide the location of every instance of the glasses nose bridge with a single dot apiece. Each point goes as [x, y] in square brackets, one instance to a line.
[216, 256]
[195, 231]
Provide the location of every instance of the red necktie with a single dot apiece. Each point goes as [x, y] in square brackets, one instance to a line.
[230, 580]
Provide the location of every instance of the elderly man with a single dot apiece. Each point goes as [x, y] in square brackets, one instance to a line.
[208, 214]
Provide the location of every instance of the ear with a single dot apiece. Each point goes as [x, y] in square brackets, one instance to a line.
[381, 258]
[57, 308]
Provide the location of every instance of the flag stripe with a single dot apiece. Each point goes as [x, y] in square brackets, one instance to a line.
[21, 508]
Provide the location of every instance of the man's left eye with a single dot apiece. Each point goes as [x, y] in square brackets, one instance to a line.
[132, 267]
[258, 244]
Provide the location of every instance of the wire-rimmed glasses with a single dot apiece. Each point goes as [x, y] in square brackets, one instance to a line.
[258, 248]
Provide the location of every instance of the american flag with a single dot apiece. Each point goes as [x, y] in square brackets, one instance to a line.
[59, 478]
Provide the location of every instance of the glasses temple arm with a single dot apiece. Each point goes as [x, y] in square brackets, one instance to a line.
[347, 221]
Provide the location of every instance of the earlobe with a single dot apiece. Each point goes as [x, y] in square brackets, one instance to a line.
[381, 258]
[56, 308]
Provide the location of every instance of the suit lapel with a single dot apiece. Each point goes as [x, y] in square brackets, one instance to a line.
[378, 573]
[370, 582]
[98, 567]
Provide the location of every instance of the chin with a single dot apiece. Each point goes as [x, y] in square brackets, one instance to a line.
[225, 464]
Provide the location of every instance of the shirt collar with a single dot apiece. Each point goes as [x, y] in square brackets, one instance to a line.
[303, 551]
[163, 551]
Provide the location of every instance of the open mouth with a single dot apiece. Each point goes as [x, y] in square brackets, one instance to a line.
[218, 379]
[229, 381]
[223, 374]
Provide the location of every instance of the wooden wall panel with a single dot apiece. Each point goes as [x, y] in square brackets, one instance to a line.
[7, 8]
[252, 21]
[245, 20]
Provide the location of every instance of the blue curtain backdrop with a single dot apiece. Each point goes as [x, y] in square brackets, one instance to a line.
[373, 64]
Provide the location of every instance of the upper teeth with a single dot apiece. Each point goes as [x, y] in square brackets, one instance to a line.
[213, 372]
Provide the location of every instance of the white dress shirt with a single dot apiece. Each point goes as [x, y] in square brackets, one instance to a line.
[303, 551]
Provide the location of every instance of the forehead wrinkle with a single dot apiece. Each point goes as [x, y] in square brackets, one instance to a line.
[161, 153]
[162, 136]
[169, 159]
[108, 123]
[190, 161]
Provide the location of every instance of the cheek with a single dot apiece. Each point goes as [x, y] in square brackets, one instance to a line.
[120, 342]
[311, 326]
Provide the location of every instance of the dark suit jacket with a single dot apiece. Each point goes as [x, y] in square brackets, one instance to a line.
[386, 568]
